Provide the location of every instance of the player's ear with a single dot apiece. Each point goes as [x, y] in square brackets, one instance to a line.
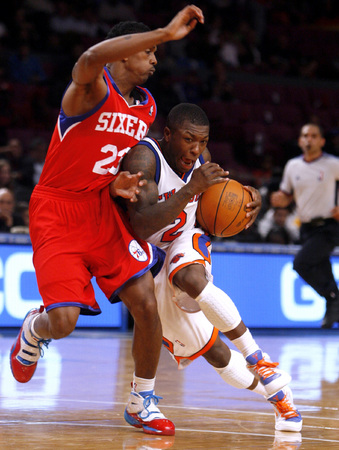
[167, 134]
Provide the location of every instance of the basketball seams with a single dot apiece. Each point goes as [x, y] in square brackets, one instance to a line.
[201, 218]
[217, 209]
[239, 209]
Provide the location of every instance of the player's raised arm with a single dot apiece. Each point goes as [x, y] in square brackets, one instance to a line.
[88, 87]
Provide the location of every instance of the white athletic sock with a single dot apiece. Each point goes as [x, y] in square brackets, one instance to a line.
[31, 328]
[143, 384]
[246, 344]
[237, 375]
[259, 389]
[218, 308]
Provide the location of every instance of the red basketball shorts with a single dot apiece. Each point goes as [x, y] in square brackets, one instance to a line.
[78, 236]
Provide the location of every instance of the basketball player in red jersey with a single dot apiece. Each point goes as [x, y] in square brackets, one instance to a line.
[77, 230]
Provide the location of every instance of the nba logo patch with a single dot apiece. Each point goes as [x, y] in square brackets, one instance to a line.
[136, 251]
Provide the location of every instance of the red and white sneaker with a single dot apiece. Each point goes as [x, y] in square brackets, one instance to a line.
[273, 379]
[142, 412]
[27, 349]
[287, 417]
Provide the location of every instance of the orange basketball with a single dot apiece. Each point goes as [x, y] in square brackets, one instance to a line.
[222, 209]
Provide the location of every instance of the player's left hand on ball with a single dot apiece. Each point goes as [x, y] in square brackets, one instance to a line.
[254, 206]
[127, 185]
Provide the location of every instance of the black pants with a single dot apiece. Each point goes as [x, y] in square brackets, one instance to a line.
[313, 262]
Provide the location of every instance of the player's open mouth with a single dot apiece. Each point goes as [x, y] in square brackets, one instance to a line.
[188, 163]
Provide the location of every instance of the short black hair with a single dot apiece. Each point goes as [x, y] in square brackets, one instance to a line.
[127, 27]
[313, 124]
[186, 111]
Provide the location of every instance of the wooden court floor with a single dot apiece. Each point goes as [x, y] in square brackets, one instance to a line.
[77, 397]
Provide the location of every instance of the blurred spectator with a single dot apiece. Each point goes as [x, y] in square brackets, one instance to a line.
[14, 154]
[220, 87]
[6, 98]
[164, 89]
[25, 67]
[8, 218]
[6, 178]
[250, 236]
[69, 19]
[33, 164]
[229, 52]
[279, 226]
[268, 187]
[282, 56]
[22, 211]
[248, 49]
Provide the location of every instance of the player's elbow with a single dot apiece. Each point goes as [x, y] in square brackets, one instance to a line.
[141, 229]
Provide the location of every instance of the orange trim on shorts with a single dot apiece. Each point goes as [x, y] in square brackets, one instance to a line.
[196, 355]
[197, 261]
[168, 344]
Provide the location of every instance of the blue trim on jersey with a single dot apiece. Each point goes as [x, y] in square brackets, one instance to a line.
[187, 174]
[66, 122]
[145, 91]
[157, 159]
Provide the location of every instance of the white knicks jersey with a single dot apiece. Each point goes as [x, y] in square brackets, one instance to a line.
[168, 183]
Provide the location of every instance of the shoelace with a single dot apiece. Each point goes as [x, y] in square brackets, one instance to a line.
[147, 402]
[264, 368]
[286, 409]
[42, 342]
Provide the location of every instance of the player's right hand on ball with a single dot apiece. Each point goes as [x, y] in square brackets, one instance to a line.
[207, 175]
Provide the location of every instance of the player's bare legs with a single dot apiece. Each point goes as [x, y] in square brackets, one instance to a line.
[142, 411]
[37, 330]
[138, 296]
[220, 310]
[58, 323]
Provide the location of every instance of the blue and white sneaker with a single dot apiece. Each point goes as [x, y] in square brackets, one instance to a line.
[142, 412]
[287, 417]
[273, 379]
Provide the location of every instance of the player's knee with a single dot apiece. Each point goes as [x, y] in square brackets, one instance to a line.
[191, 279]
[61, 324]
[144, 309]
[218, 355]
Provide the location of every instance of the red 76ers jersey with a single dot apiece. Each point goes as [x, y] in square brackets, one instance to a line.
[85, 151]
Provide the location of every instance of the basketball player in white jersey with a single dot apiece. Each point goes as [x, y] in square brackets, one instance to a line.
[191, 308]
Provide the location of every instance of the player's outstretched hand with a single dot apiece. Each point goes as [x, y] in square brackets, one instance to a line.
[254, 206]
[127, 185]
[184, 22]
